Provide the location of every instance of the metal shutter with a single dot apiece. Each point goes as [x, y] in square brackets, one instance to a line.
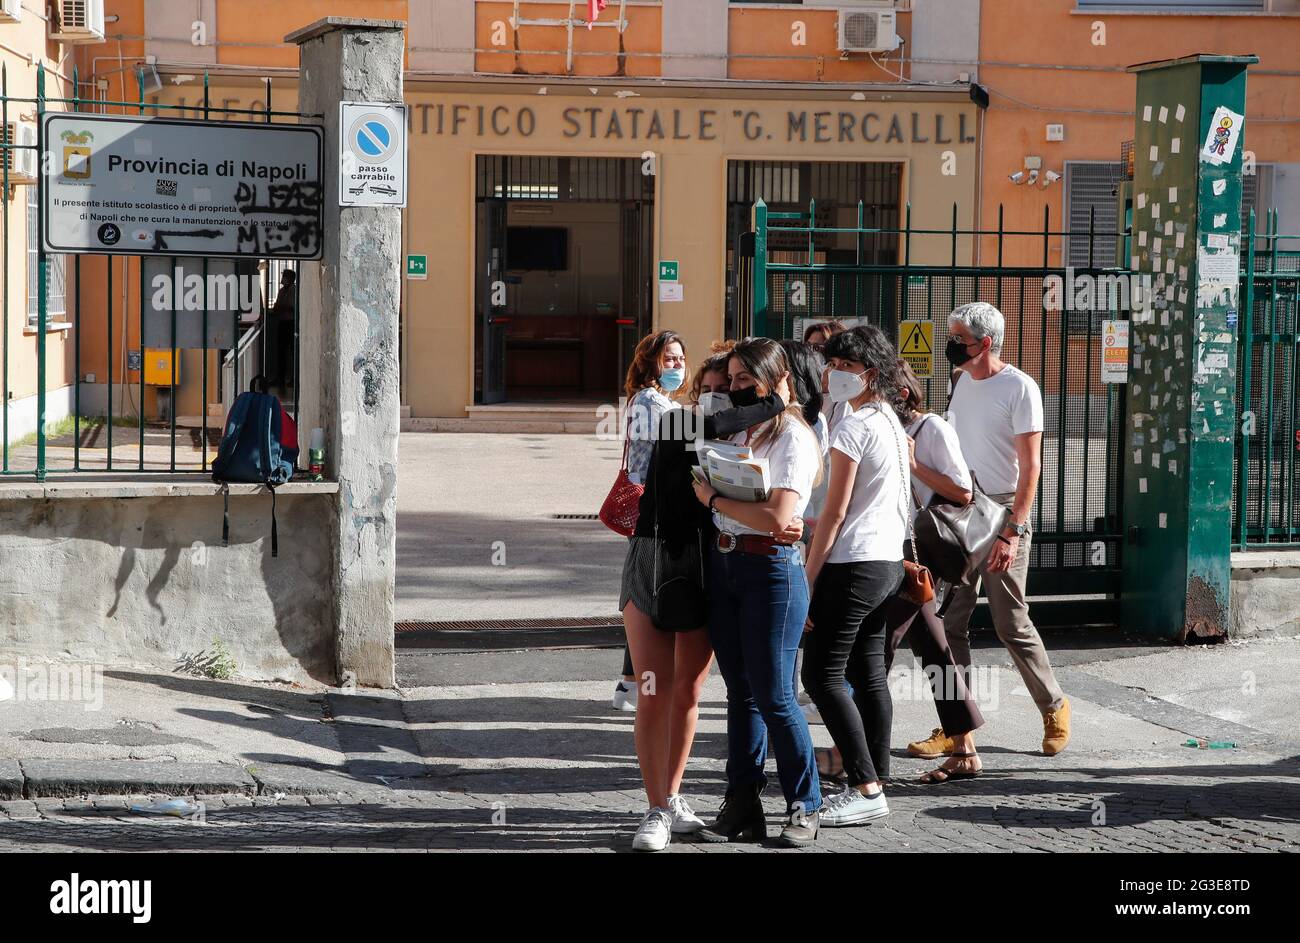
[1090, 194]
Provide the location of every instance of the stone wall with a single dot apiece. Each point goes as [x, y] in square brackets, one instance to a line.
[135, 573]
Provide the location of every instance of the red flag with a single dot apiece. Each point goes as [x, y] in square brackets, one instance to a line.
[593, 10]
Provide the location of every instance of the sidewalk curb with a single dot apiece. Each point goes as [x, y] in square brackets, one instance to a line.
[11, 780]
[71, 778]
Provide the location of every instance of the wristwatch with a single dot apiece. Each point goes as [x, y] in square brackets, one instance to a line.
[1018, 529]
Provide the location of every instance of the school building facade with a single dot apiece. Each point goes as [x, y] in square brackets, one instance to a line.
[555, 167]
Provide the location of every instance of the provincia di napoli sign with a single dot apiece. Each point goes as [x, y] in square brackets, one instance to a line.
[159, 186]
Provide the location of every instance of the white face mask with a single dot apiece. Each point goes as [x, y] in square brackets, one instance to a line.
[711, 403]
[844, 386]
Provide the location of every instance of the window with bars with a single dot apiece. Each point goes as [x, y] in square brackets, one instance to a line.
[56, 271]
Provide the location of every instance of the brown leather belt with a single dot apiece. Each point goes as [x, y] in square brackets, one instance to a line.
[750, 543]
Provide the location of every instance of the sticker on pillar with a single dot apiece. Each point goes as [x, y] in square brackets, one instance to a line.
[372, 154]
[417, 267]
[1221, 140]
[668, 271]
[1114, 352]
[916, 346]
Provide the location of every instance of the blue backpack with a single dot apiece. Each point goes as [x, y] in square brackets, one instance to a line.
[259, 446]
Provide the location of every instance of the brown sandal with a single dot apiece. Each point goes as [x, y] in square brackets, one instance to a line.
[939, 776]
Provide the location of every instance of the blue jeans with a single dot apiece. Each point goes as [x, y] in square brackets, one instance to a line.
[757, 608]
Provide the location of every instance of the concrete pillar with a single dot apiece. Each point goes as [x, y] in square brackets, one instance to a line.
[348, 324]
[1178, 445]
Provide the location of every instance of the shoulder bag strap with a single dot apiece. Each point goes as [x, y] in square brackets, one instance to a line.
[907, 480]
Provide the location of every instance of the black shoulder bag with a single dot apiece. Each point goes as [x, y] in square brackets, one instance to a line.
[679, 603]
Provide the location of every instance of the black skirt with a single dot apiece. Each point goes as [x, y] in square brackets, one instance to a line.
[682, 559]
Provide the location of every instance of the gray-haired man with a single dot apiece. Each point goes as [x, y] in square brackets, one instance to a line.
[997, 411]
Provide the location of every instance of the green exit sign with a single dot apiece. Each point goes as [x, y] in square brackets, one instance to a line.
[667, 271]
[417, 266]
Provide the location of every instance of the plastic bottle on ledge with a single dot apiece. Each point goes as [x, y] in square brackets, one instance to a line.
[316, 455]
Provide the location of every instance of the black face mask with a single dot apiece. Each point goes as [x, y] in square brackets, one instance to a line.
[957, 353]
[745, 397]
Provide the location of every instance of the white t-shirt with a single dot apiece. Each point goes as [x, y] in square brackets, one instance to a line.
[875, 523]
[792, 463]
[988, 414]
[937, 448]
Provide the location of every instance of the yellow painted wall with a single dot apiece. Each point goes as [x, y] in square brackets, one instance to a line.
[691, 197]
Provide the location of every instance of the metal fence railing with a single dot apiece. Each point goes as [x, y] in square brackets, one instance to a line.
[1266, 503]
[99, 421]
[1078, 536]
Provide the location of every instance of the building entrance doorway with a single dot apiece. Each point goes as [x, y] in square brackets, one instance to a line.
[564, 262]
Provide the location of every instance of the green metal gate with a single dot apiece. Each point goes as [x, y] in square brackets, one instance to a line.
[1077, 524]
[1266, 505]
[108, 438]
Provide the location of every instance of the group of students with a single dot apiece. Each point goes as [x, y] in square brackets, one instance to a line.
[852, 454]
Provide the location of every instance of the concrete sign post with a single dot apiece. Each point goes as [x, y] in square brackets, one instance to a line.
[349, 324]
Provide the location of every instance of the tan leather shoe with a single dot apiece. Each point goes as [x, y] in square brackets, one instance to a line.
[936, 745]
[1056, 728]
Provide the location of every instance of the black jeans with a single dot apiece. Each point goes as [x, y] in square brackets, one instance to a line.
[848, 642]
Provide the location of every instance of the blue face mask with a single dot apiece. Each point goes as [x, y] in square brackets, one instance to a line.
[672, 379]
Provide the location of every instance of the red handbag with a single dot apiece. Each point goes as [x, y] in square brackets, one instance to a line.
[622, 504]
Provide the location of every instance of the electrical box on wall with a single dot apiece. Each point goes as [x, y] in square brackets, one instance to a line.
[1056, 132]
[158, 368]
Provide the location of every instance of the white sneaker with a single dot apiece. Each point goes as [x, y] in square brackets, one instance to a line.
[624, 696]
[654, 832]
[685, 821]
[811, 713]
[851, 807]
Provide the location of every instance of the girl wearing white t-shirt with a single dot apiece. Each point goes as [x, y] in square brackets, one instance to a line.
[938, 468]
[758, 600]
[854, 566]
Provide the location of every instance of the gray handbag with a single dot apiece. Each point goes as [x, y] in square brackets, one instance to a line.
[955, 540]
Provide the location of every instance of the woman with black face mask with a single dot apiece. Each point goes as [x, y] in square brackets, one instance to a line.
[757, 603]
[667, 557]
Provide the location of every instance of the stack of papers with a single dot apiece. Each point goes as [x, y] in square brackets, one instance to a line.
[733, 471]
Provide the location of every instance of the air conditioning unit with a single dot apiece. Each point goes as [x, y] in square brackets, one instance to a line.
[868, 30]
[22, 163]
[77, 21]
[11, 11]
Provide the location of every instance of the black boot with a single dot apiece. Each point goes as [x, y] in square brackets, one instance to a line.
[741, 817]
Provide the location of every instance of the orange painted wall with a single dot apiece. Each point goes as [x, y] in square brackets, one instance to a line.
[1046, 31]
[264, 25]
[18, 344]
[541, 50]
[761, 44]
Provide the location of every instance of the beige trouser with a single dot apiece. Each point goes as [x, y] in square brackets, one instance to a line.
[1006, 596]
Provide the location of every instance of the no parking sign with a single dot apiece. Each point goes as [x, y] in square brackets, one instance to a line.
[372, 154]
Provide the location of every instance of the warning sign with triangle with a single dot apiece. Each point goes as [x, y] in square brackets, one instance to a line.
[916, 346]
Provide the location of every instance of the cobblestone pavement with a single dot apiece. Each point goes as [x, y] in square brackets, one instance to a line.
[1249, 809]
[480, 761]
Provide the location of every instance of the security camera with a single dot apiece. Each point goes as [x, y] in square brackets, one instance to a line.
[1017, 178]
[1033, 177]
[1050, 177]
